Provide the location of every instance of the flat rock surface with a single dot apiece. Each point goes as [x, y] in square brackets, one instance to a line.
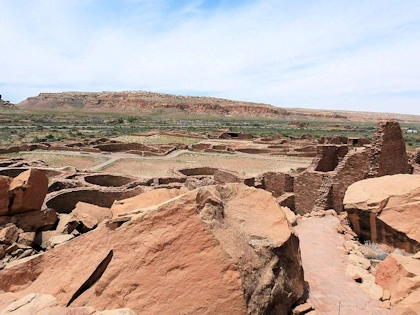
[324, 262]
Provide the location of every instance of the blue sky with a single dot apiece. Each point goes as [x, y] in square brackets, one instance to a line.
[347, 55]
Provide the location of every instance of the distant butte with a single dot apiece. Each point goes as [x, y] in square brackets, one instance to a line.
[150, 102]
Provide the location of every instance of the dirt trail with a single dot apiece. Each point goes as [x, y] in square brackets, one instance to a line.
[324, 262]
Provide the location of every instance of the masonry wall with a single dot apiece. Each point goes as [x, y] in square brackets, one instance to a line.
[306, 188]
[277, 183]
[388, 155]
[329, 157]
[353, 168]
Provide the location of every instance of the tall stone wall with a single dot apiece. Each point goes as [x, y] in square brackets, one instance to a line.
[306, 189]
[353, 168]
[388, 155]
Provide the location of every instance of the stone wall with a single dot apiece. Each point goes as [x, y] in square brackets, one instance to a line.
[306, 187]
[353, 168]
[388, 155]
[417, 156]
[277, 183]
[328, 157]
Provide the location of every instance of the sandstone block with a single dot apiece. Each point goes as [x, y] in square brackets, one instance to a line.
[144, 200]
[59, 239]
[66, 224]
[387, 215]
[99, 213]
[27, 238]
[4, 194]
[29, 190]
[9, 234]
[86, 222]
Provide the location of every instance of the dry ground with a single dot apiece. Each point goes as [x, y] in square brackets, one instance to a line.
[55, 160]
[157, 139]
[247, 165]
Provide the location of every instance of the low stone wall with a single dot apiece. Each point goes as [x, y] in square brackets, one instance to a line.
[277, 183]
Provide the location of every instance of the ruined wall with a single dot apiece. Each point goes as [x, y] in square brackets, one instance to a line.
[306, 187]
[353, 168]
[417, 156]
[388, 155]
[277, 183]
[328, 157]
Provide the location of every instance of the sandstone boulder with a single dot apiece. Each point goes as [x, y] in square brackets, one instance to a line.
[27, 238]
[386, 210]
[4, 194]
[32, 221]
[59, 239]
[144, 200]
[66, 224]
[9, 235]
[215, 250]
[29, 190]
[42, 238]
[38, 304]
[86, 222]
[227, 177]
[99, 213]
[400, 275]
[31, 304]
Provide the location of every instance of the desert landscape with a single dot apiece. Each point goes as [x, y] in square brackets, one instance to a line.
[146, 203]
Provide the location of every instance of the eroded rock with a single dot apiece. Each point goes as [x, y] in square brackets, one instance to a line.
[386, 210]
[237, 257]
[400, 275]
[29, 190]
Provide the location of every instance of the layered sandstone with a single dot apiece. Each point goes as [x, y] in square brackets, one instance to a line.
[148, 101]
[386, 210]
[215, 250]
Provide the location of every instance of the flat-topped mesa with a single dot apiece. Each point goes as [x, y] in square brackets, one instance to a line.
[148, 101]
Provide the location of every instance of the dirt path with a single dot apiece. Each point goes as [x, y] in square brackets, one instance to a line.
[324, 262]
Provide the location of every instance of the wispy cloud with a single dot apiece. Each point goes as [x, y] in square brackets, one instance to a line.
[359, 55]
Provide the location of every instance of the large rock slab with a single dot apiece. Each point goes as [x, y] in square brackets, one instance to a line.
[146, 199]
[215, 250]
[386, 210]
[33, 220]
[28, 191]
[99, 213]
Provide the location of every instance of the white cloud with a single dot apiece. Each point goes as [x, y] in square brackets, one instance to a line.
[355, 56]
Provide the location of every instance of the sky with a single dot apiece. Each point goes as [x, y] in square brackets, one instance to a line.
[343, 55]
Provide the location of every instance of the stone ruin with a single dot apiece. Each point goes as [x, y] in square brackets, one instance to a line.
[323, 184]
[192, 247]
[97, 209]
